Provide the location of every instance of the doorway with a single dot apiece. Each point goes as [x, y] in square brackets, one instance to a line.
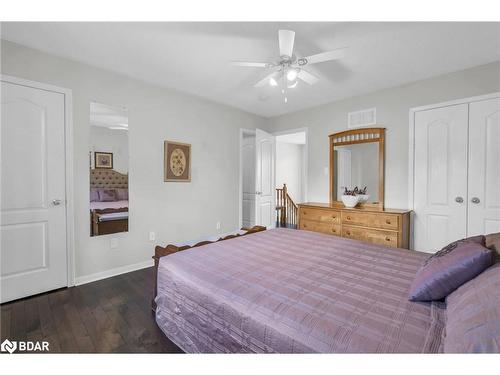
[257, 178]
[36, 211]
[291, 163]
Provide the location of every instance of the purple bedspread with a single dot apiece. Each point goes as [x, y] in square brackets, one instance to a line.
[291, 291]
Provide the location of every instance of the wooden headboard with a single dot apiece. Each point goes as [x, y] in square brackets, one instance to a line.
[108, 178]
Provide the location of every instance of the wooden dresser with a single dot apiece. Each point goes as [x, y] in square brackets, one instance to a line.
[388, 227]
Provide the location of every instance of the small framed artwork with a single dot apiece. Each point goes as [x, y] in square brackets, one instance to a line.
[103, 160]
[177, 161]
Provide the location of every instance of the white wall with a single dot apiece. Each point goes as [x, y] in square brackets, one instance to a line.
[175, 211]
[392, 113]
[110, 140]
[289, 168]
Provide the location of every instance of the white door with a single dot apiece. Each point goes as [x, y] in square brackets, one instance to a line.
[265, 146]
[484, 167]
[33, 218]
[440, 180]
[248, 180]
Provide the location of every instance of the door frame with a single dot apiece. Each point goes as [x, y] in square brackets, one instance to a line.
[305, 162]
[240, 183]
[411, 144]
[69, 158]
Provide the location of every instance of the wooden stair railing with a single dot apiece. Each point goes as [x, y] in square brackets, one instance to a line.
[286, 209]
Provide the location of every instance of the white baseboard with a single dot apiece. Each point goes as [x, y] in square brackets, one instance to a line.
[112, 272]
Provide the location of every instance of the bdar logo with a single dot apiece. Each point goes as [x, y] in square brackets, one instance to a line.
[8, 346]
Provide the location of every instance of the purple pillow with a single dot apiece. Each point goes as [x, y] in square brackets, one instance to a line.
[107, 195]
[122, 194]
[452, 266]
[473, 315]
[94, 195]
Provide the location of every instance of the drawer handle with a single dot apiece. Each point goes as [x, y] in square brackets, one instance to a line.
[387, 221]
[334, 217]
[305, 225]
[388, 239]
[348, 233]
[334, 231]
[348, 218]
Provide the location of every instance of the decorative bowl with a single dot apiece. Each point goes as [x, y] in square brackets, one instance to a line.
[363, 198]
[350, 200]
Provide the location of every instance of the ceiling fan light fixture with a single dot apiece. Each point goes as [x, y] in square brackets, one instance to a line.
[273, 82]
[291, 75]
[293, 85]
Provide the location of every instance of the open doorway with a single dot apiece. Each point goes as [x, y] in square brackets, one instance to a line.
[291, 163]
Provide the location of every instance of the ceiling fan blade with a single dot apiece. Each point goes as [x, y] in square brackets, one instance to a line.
[327, 56]
[251, 64]
[307, 77]
[286, 40]
[266, 80]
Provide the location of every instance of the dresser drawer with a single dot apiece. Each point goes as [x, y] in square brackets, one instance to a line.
[376, 236]
[320, 227]
[327, 216]
[373, 220]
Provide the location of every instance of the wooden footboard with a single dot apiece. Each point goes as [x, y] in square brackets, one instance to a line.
[170, 249]
[107, 227]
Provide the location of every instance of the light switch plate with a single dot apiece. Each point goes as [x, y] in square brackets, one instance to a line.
[152, 236]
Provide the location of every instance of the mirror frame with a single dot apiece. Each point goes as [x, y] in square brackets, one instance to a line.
[355, 136]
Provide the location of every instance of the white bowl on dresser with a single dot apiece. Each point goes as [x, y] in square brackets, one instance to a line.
[350, 200]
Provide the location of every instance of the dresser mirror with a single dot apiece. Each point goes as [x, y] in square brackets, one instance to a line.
[108, 169]
[357, 161]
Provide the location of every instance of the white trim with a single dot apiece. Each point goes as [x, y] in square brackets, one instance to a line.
[69, 154]
[411, 145]
[306, 154]
[113, 272]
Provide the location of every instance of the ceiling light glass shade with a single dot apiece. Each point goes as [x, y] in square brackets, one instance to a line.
[273, 82]
[293, 85]
[291, 75]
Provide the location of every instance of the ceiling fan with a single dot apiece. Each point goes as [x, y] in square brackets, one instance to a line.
[290, 68]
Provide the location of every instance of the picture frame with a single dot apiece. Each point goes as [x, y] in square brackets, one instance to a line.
[103, 160]
[177, 162]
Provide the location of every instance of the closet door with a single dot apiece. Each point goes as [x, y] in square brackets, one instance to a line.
[440, 180]
[484, 167]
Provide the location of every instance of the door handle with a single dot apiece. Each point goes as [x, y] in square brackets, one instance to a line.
[56, 202]
[459, 200]
[475, 200]
[258, 192]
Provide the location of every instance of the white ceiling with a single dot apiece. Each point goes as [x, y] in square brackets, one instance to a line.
[193, 57]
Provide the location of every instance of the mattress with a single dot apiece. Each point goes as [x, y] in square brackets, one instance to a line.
[104, 205]
[294, 291]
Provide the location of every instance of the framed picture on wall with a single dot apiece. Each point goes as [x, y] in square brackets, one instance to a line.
[177, 162]
[103, 160]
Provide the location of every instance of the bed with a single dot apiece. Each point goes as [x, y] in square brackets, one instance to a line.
[108, 202]
[289, 291]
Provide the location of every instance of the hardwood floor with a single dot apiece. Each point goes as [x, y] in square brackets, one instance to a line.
[107, 316]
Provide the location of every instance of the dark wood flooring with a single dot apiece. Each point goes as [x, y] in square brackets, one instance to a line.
[107, 316]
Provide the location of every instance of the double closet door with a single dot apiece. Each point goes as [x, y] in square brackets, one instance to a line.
[456, 173]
